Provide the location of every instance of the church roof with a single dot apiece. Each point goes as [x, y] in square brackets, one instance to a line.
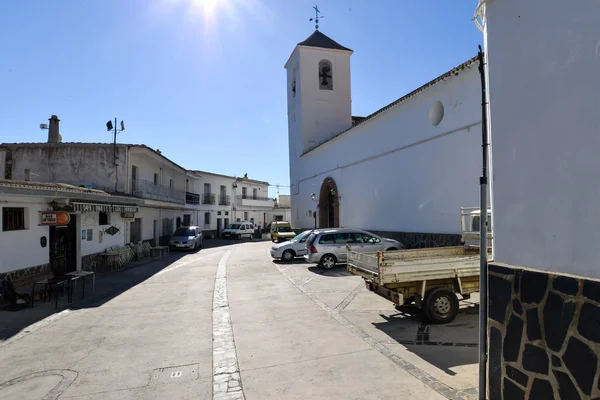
[356, 121]
[319, 39]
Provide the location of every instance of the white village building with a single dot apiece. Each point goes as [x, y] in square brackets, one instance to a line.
[403, 171]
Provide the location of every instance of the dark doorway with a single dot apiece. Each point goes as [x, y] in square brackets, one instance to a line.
[187, 220]
[178, 222]
[219, 226]
[63, 247]
[226, 223]
[329, 206]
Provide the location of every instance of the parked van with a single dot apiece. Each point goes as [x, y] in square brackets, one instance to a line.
[239, 230]
[281, 231]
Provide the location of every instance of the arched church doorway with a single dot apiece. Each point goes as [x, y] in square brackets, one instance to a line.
[329, 205]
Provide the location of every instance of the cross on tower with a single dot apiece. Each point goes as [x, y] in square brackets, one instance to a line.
[317, 17]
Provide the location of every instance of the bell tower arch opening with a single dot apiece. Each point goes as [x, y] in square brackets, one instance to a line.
[329, 205]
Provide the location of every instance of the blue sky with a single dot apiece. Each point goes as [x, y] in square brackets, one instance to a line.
[203, 80]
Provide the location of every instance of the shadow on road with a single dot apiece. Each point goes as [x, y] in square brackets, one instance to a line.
[109, 284]
[444, 346]
[338, 270]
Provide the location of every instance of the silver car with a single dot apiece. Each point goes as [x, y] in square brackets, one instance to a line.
[327, 247]
[186, 237]
[295, 247]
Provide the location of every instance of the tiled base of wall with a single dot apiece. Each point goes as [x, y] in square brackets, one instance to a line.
[25, 272]
[419, 240]
[544, 335]
[91, 262]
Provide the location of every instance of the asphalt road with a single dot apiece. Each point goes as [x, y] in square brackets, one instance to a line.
[228, 323]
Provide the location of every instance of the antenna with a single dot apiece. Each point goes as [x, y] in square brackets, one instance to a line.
[317, 17]
[111, 127]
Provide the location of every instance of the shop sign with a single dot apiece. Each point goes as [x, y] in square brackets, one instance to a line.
[55, 218]
[128, 216]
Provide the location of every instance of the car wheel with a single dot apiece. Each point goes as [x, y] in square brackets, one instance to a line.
[287, 255]
[238, 236]
[440, 306]
[328, 261]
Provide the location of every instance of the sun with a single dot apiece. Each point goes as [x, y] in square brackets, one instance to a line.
[208, 7]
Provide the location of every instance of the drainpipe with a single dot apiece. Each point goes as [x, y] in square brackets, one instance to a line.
[483, 266]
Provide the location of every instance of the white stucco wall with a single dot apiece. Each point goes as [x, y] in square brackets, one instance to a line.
[90, 221]
[544, 64]
[22, 249]
[149, 163]
[397, 171]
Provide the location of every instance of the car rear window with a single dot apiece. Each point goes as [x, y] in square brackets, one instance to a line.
[327, 239]
[311, 239]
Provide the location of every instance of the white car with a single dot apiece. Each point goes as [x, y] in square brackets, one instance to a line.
[295, 247]
[239, 230]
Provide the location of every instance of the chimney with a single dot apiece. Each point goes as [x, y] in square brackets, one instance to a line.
[53, 135]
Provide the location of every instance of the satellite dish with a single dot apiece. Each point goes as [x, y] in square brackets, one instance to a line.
[122, 125]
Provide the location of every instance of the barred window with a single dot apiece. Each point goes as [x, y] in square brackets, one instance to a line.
[13, 218]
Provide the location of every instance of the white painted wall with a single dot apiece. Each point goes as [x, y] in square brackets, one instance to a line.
[99, 243]
[544, 62]
[22, 249]
[149, 163]
[419, 187]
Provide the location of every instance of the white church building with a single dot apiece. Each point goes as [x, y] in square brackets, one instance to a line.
[404, 171]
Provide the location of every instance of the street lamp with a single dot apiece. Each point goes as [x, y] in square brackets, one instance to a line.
[314, 198]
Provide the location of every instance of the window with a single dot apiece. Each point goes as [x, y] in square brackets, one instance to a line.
[218, 212]
[278, 217]
[156, 179]
[325, 75]
[207, 218]
[244, 192]
[223, 190]
[207, 188]
[187, 219]
[245, 215]
[13, 219]
[327, 239]
[170, 183]
[103, 218]
[226, 212]
[254, 193]
[341, 238]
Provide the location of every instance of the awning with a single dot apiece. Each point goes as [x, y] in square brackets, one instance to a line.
[96, 207]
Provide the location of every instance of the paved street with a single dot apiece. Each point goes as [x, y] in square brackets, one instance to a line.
[227, 322]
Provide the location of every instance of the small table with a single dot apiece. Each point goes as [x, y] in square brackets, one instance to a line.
[160, 250]
[82, 275]
[49, 282]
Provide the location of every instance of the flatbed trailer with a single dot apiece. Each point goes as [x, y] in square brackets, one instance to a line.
[430, 278]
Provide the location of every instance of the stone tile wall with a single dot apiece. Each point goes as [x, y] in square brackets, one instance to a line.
[25, 272]
[544, 335]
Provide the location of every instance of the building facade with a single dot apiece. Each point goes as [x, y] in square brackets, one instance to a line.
[32, 240]
[403, 171]
[544, 282]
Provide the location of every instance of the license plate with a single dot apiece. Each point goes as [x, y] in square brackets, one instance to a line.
[181, 245]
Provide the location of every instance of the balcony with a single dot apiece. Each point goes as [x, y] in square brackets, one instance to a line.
[255, 201]
[208, 198]
[224, 200]
[192, 198]
[148, 190]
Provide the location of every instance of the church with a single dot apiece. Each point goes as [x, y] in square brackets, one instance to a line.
[403, 171]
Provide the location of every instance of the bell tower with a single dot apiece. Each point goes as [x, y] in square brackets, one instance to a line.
[318, 93]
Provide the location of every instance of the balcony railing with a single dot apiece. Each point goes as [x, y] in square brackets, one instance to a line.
[192, 198]
[208, 198]
[224, 200]
[148, 190]
[258, 198]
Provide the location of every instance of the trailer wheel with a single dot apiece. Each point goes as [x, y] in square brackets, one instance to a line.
[441, 305]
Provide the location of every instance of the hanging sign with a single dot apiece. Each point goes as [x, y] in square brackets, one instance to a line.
[128, 216]
[54, 218]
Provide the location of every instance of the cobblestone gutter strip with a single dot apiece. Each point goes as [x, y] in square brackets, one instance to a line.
[226, 373]
[434, 383]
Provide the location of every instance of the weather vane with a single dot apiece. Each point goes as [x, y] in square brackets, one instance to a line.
[317, 17]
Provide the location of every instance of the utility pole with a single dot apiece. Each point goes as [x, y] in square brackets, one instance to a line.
[110, 127]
